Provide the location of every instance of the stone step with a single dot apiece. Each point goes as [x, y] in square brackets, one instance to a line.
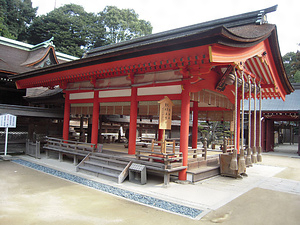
[202, 173]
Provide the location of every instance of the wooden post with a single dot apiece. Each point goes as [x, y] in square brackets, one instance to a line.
[66, 117]
[184, 129]
[133, 121]
[205, 148]
[225, 145]
[163, 142]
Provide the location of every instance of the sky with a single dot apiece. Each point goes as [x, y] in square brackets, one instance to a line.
[169, 14]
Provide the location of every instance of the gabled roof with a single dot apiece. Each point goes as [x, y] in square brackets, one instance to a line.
[248, 31]
[18, 57]
[205, 29]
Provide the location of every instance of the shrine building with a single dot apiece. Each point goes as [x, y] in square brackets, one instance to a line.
[206, 70]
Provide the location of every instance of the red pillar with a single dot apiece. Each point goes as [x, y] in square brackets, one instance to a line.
[160, 135]
[95, 121]
[133, 119]
[195, 125]
[184, 129]
[66, 117]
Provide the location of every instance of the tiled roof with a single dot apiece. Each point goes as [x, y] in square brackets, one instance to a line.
[291, 103]
[18, 57]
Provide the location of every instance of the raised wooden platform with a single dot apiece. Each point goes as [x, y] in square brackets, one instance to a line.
[114, 161]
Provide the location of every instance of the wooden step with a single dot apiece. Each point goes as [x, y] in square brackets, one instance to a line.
[212, 161]
[124, 158]
[104, 165]
[96, 165]
[195, 164]
[202, 173]
[97, 171]
[98, 159]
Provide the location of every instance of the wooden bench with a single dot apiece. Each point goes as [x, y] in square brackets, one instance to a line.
[160, 162]
[67, 147]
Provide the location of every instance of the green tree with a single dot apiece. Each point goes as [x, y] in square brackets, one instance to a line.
[15, 18]
[297, 77]
[123, 24]
[291, 63]
[74, 30]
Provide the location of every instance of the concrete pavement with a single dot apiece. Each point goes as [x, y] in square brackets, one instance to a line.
[272, 187]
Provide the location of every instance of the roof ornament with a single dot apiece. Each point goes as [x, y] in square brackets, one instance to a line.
[44, 44]
[261, 18]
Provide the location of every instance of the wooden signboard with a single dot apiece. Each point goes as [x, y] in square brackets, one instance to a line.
[165, 113]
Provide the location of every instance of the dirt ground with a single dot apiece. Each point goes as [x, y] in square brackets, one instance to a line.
[31, 197]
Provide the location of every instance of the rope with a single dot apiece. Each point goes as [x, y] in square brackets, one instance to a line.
[233, 162]
[254, 155]
[259, 155]
[248, 158]
[242, 164]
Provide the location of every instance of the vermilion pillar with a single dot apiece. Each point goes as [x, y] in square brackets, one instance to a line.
[95, 121]
[195, 125]
[184, 129]
[133, 119]
[66, 117]
[160, 135]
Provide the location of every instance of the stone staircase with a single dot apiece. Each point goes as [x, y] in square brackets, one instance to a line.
[202, 169]
[104, 164]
